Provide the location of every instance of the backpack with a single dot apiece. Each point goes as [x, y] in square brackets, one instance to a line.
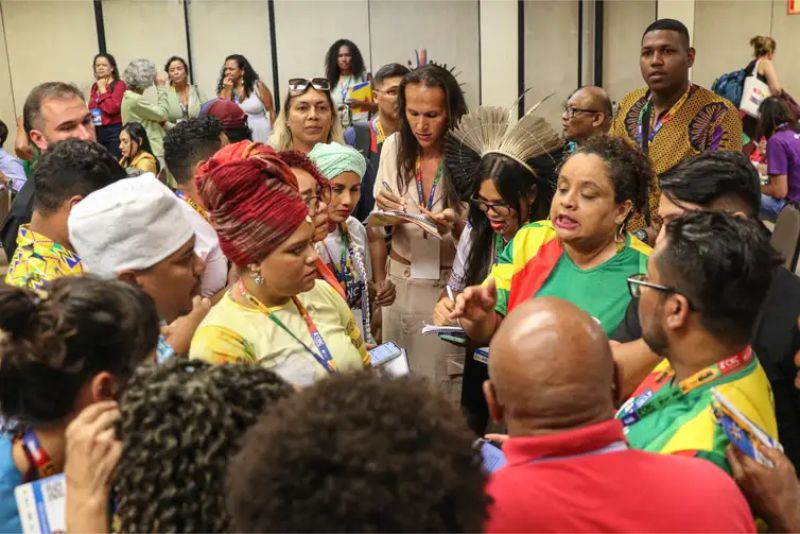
[730, 86]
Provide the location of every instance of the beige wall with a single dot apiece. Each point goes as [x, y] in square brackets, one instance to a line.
[306, 28]
[624, 21]
[457, 49]
[551, 54]
[499, 54]
[46, 41]
[786, 31]
[7, 112]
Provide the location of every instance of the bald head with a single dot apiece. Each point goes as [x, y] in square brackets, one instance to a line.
[590, 114]
[550, 367]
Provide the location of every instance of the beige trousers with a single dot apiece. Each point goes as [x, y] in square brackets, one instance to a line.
[428, 356]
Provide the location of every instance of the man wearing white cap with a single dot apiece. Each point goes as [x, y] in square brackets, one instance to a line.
[135, 230]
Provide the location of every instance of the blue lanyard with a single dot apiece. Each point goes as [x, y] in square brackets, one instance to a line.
[435, 185]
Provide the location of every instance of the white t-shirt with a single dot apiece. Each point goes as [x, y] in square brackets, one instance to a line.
[331, 251]
[206, 246]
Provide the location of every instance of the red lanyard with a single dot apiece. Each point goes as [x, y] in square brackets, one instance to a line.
[324, 356]
[39, 459]
[639, 407]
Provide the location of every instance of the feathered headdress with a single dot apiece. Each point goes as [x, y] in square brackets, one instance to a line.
[487, 130]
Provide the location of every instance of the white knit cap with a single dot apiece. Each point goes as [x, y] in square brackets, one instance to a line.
[133, 223]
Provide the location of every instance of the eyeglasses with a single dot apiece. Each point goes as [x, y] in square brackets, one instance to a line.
[323, 194]
[570, 111]
[501, 209]
[636, 281]
[299, 85]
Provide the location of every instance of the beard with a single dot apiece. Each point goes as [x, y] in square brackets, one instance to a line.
[653, 331]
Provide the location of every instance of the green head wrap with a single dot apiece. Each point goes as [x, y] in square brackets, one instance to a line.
[333, 159]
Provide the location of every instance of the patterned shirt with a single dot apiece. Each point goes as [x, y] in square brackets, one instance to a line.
[38, 260]
[700, 121]
[534, 264]
[680, 420]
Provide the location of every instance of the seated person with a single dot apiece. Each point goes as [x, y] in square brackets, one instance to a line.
[584, 255]
[135, 149]
[569, 468]
[782, 131]
[704, 286]
[67, 172]
[391, 457]
[726, 181]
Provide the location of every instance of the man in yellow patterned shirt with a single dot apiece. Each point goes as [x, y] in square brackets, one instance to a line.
[69, 171]
[672, 119]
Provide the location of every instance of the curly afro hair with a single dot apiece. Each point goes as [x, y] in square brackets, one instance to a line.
[180, 424]
[630, 170]
[359, 453]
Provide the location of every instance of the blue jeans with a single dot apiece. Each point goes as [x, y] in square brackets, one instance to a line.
[771, 207]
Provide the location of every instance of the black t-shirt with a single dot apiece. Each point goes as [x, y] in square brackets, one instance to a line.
[20, 213]
[775, 341]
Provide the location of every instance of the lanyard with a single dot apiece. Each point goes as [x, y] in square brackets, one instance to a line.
[197, 207]
[36, 454]
[436, 181]
[615, 446]
[499, 245]
[346, 87]
[639, 407]
[324, 357]
[646, 133]
[380, 134]
[357, 291]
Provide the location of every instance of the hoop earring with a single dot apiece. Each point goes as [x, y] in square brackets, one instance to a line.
[620, 238]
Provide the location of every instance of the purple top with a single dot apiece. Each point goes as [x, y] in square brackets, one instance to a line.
[783, 157]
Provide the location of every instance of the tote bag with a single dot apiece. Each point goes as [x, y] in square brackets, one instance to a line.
[753, 94]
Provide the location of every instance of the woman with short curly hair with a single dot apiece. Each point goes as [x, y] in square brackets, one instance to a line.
[180, 424]
[138, 76]
[582, 254]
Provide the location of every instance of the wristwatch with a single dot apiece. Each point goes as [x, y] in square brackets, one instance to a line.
[641, 235]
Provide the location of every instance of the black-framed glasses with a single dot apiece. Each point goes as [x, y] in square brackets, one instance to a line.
[299, 85]
[501, 209]
[322, 194]
[571, 111]
[636, 281]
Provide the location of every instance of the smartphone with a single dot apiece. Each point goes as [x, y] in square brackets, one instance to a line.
[384, 353]
[492, 455]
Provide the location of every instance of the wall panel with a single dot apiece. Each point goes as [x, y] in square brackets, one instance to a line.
[624, 21]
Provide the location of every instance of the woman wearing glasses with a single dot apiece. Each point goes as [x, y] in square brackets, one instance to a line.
[278, 314]
[583, 254]
[412, 177]
[239, 83]
[307, 117]
[510, 186]
[316, 194]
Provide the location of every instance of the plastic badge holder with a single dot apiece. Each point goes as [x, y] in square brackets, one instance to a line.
[42, 505]
[741, 431]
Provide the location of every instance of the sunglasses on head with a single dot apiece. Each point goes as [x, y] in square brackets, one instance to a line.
[299, 85]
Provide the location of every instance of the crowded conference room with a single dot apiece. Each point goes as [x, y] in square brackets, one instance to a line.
[399, 266]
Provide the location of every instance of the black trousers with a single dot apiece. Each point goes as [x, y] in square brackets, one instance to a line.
[473, 403]
[108, 136]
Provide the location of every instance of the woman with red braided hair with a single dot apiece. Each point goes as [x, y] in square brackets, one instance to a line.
[278, 314]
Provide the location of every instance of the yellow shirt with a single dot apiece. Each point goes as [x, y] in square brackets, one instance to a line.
[233, 333]
[38, 259]
[144, 161]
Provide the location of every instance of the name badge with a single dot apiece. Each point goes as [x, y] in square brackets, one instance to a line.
[97, 117]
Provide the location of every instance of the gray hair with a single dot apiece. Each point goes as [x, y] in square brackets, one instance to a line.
[139, 74]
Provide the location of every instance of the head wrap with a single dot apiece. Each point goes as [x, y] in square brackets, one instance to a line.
[252, 200]
[228, 112]
[333, 159]
[133, 223]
